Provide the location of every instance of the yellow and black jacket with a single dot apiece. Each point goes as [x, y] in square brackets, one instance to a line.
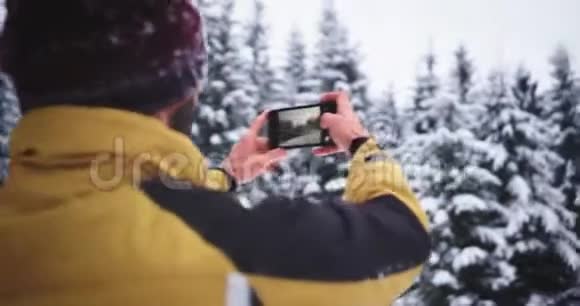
[82, 222]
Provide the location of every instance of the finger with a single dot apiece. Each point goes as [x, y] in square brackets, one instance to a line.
[275, 156]
[259, 123]
[274, 167]
[328, 120]
[330, 96]
[252, 167]
[262, 144]
[342, 101]
[258, 164]
[325, 151]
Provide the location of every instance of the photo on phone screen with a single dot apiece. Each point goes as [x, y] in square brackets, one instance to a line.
[299, 126]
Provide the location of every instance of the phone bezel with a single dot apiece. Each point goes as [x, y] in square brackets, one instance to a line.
[273, 125]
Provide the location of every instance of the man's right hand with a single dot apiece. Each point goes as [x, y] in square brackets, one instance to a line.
[344, 126]
[251, 156]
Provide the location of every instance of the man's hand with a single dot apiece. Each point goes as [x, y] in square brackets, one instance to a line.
[344, 126]
[252, 157]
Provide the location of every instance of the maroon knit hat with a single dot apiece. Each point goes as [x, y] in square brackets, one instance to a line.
[119, 53]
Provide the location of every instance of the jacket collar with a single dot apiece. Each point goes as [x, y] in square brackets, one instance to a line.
[83, 138]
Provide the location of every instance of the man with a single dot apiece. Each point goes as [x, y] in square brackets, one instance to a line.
[109, 203]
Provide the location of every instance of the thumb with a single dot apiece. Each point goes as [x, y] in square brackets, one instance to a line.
[329, 119]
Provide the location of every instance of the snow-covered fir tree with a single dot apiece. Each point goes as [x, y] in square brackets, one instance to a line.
[261, 73]
[269, 89]
[337, 67]
[525, 92]
[337, 60]
[384, 121]
[9, 115]
[453, 172]
[497, 88]
[296, 68]
[226, 106]
[462, 74]
[428, 83]
[302, 85]
[564, 112]
[543, 245]
[434, 107]
[425, 91]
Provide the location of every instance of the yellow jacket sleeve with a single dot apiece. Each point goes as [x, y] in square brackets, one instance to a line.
[218, 180]
[374, 173]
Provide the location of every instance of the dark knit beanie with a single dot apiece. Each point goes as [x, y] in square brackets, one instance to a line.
[131, 54]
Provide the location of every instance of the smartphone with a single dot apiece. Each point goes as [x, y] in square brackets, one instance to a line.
[299, 127]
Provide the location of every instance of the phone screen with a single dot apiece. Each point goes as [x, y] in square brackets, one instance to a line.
[299, 127]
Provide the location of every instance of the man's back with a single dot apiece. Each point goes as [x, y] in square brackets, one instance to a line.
[81, 225]
[65, 241]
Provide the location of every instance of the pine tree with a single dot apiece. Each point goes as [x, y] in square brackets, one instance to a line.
[458, 187]
[384, 120]
[298, 76]
[564, 112]
[428, 83]
[462, 74]
[295, 67]
[337, 61]
[434, 108]
[539, 229]
[427, 88]
[261, 72]
[268, 88]
[497, 87]
[225, 107]
[9, 115]
[337, 67]
[501, 236]
[280, 95]
[463, 95]
[453, 172]
[525, 92]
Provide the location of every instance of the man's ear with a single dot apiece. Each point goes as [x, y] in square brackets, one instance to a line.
[166, 114]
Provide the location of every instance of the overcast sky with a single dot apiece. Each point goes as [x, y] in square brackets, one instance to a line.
[394, 34]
